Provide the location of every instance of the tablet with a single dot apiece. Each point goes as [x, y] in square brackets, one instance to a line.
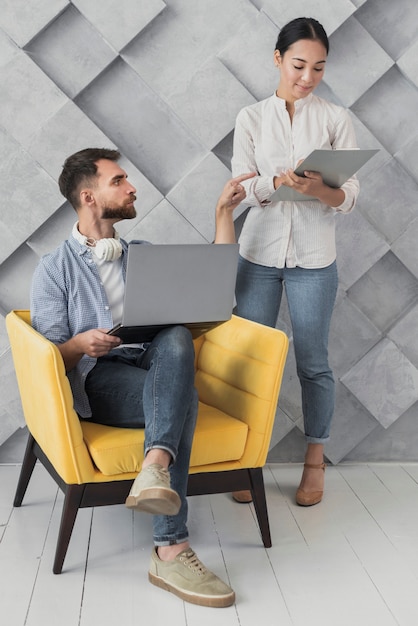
[335, 167]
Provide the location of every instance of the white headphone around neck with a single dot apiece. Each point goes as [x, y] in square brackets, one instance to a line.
[108, 249]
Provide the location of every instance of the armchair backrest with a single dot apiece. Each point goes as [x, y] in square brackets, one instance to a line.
[239, 370]
[47, 399]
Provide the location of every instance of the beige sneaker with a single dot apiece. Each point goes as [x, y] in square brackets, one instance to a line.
[189, 579]
[151, 492]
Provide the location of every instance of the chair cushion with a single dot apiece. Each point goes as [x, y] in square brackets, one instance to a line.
[218, 437]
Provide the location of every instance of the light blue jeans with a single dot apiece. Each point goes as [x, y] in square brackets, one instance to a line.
[153, 388]
[311, 296]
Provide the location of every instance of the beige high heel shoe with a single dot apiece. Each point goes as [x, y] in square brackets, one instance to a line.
[243, 497]
[305, 498]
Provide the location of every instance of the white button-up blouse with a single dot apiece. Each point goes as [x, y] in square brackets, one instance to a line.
[267, 142]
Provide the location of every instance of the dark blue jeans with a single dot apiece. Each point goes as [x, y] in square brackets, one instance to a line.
[311, 296]
[153, 389]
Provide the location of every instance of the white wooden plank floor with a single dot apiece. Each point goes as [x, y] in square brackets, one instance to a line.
[352, 560]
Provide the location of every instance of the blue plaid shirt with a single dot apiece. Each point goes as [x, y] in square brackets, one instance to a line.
[67, 298]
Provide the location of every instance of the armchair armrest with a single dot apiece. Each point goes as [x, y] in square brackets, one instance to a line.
[47, 400]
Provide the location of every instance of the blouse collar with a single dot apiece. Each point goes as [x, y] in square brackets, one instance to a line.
[299, 104]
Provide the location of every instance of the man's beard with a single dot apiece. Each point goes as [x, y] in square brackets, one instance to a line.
[118, 212]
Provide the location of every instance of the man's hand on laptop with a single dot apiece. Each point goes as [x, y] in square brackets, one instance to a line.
[96, 343]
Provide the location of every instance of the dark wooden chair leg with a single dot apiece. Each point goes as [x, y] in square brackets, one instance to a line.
[28, 465]
[260, 504]
[72, 501]
[236, 480]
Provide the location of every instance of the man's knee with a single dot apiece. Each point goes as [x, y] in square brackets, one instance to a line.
[178, 340]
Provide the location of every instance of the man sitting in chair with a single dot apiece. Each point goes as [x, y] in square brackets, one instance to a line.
[76, 297]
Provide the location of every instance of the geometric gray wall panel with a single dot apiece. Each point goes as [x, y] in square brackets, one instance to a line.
[163, 81]
[71, 42]
[384, 381]
[385, 292]
[400, 207]
[344, 77]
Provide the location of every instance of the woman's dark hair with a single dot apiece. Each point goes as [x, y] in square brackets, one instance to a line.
[81, 169]
[301, 28]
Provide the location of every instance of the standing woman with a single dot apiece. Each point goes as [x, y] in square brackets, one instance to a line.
[292, 244]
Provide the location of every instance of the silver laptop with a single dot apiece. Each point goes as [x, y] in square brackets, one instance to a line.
[188, 284]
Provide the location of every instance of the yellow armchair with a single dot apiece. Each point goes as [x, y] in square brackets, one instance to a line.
[239, 368]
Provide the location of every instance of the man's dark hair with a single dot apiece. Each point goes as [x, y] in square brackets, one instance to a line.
[80, 169]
